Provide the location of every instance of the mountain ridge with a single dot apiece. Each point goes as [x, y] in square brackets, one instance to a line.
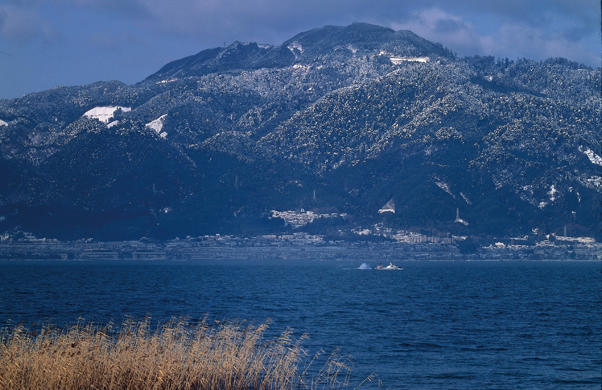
[344, 119]
[303, 48]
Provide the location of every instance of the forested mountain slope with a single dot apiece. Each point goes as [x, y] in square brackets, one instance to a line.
[338, 119]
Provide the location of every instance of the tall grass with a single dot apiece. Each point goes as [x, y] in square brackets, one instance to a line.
[175, 355]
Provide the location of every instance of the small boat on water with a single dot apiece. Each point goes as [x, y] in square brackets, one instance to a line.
[390, 267]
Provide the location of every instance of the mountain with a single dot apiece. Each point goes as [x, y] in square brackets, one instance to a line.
[340, 121]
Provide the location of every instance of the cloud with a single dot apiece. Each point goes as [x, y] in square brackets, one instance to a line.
[525, 41]
[131, 9]
[465, 26]
[232, 18]
[112, 40]
[510, 39]
[142, 35]
[22, 25]
[450, 30]
[536, 13]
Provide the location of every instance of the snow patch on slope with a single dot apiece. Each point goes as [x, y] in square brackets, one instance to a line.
[389, 207]
[552, 193]
[465, 198]
[294, 48]
[460, 220]
[396, 60]
[157, 126]
[595, 182]
[166, 81]
[399, 60]
[593, 157]
[295, 45]
[104, 114]
[444, 187]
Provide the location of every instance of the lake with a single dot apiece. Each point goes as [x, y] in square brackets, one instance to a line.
[433, 325]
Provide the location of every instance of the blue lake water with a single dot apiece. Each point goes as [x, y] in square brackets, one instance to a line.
[434, 325]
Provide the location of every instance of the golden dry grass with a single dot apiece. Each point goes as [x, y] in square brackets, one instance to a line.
[175, 355]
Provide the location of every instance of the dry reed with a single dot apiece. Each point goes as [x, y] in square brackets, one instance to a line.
[176, 355]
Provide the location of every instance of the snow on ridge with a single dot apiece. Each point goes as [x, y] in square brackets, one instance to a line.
[295, 45]
[399, 60]
[2, 123]
[593, 157]
[104, 114]
[157, 126]
[166, 81]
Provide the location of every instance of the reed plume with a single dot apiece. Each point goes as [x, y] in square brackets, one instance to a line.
[175, 355]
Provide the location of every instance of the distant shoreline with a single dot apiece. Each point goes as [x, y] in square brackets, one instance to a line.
[260, 249]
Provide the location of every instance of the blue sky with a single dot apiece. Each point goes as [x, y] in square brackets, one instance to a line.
[45, 43]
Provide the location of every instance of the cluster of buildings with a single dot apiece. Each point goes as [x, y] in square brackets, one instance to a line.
[296, 246]
[298, 219]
